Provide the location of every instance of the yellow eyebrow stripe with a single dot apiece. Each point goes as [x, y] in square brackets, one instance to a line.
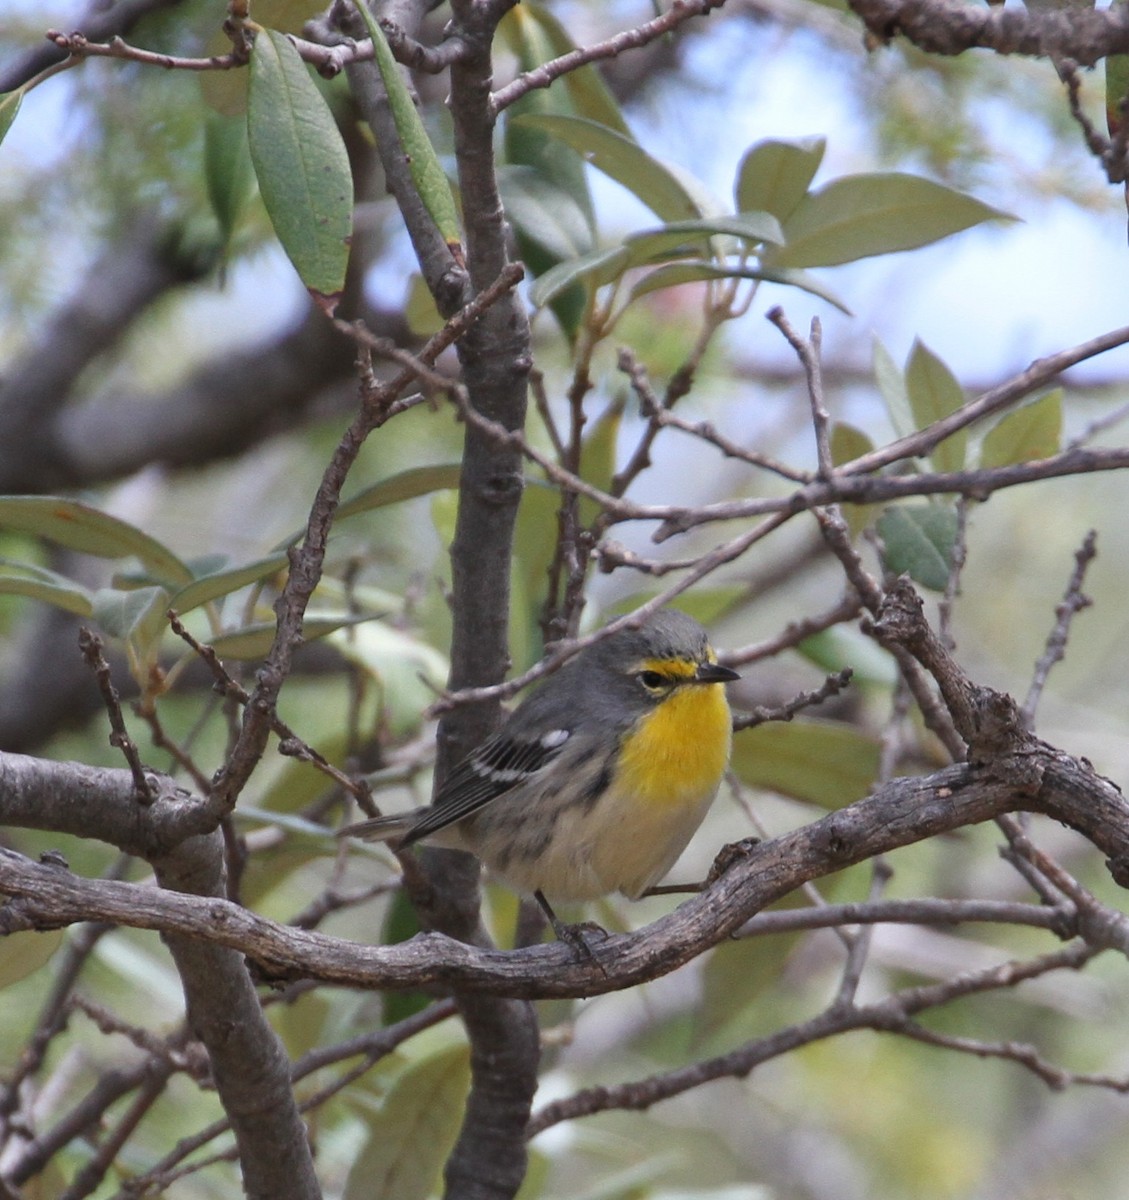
[670, 668]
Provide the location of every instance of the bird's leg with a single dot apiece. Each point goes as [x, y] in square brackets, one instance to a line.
[571, 935]
[729, 854]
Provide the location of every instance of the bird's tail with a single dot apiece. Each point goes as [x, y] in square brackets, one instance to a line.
[380, 829]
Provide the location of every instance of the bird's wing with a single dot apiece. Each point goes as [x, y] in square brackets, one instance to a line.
[500, 764]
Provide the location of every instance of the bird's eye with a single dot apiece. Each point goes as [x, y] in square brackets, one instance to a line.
[652, 680]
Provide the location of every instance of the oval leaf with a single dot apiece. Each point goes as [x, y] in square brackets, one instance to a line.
[301, 165]
[25, 579]
[692, 272]
[774, 176]
[822, 762]
[25, 952]
[407, 485]
[934, 392]
[412, 1133]
[918, 540]
[427, 173]
[80, 527]
[227, 169]
[663, 188]
[847, 443]
[587, 93]
[892, 384]
[139, 614]
[545, 212]
[595, 269]
[1026, 435]
[694, 236]
[223, 583]
[253, 641]
[863, 215]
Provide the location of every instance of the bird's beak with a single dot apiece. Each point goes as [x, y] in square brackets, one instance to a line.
[709, 672]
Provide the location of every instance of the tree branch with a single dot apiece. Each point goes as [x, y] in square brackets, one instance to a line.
[1038, 779]
[952, 27]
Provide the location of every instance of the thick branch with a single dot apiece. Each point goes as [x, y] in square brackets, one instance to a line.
[952, 27]
[249, 1065]
[489, 1158]
[902, 812]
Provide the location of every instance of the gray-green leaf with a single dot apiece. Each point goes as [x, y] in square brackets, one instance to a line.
[774, 176]
[80, 527]
[880, 213]
[301, 165]
[665, 189]
[919, 541]
[427, 173]
[934, 393]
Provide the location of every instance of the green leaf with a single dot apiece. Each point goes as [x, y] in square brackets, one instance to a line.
[594, 270]
[1025, 435]
[598, 456]
[740, 977]
[223, 583]
[420, 312]
[26, 579]
[934, 392]
[822, 762]
[414, 1130]
[427, 174]
[849, 443]
[535, 543]
[863, 215]
[774, 176]
[535, 38]
[892, 384]
[227, 169]
[301, 165]
[545, 212]
[409, 670]
[694, 236]
[138, 614]
[407, 485]
[25, 952]
[693, 271]
[524, 144]
[79, 527]
[666, 190]
[705, 604]
[401, 923]
[918, 540]
[833, 647]
[9, 106]
[253, 641]
[588, 95]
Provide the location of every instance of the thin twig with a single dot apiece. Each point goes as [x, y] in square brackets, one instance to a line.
[91, 646]
[1072, 603]
[807, 351]
[371, 1046]
[290, 744]
[890, 1015]
[542, 76]
[881, 873]
[847, 608]
[926, 911]
[831, 686]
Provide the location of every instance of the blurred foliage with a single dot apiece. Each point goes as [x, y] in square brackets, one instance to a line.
[860, 1116]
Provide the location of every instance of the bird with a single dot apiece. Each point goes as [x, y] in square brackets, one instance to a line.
[598, 779]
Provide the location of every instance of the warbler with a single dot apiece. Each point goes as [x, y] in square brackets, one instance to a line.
[598, 779]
